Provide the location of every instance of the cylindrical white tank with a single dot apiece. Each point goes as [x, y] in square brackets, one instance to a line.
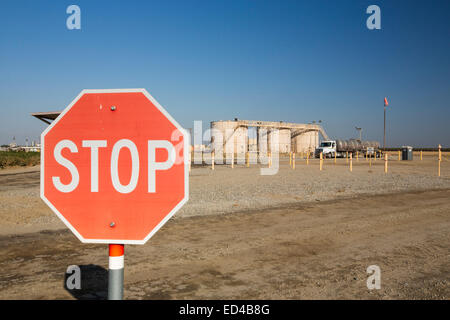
[221, 132]
[302, 142]
[262, 137]
[311, 141]
[284, 141]
[240, 137]
[316, 136]
[272, 140]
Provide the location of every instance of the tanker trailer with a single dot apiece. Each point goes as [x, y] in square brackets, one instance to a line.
[340, 148]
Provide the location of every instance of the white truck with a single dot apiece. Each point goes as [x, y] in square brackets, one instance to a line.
[343, 147]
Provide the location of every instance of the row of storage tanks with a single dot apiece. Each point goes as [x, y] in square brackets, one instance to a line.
[238, 137]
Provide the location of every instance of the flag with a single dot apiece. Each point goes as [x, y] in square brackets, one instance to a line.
[385, 102]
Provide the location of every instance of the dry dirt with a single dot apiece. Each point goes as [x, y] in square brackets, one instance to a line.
[288, 247]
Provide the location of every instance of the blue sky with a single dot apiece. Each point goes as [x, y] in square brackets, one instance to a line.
[284, 60]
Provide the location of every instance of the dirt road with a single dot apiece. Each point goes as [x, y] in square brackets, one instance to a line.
[316, 250]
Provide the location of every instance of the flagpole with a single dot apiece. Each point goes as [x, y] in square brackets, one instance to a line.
[384, 135]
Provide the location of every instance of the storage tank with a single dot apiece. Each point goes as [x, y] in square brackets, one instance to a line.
[262, 135]
[220, 133]
[316, 140]
[240, 137]
[284, 141]
[233, 138]
[252, 144]
[313, 140]
[304, 142]
[273, 140]
[301, 143]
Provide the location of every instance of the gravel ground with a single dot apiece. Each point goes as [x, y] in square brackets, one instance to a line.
[247, 236]
[225, 190]
[319, 250]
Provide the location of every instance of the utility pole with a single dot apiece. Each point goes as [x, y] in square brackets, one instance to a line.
[359, 129]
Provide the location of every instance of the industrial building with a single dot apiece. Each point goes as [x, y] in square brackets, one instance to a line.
[239, 136]
[232, 136]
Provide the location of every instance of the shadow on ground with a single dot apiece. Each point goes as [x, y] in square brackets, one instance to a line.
[93, 283]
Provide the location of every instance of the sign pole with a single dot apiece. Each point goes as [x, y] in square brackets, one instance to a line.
[115, 272]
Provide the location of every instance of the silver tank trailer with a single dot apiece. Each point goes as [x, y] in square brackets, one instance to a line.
[354, 145]
[341, 145]
[358, 145]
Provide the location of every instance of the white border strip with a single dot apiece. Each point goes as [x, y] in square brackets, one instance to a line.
[116, 263]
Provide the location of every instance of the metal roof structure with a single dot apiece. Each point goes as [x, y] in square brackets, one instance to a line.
[297, 128]
[47, 117]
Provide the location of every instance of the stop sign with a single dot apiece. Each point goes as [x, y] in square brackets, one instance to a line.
[114, 166]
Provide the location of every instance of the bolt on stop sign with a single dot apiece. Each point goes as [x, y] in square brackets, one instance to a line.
[114, 166]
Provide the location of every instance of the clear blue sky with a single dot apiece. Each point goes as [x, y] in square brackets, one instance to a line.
[262, 60]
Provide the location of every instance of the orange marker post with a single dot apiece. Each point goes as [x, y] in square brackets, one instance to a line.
[351, 162]
[307, 158]
[385, 163]
[321, 161]
[439, 161]
[420, 155]
[293, 161]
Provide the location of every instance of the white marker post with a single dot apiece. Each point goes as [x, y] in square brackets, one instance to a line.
[115, 272]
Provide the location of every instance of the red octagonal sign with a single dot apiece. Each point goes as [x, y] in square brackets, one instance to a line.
[114, 166]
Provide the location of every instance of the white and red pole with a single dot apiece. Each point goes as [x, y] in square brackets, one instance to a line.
[115, 273]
